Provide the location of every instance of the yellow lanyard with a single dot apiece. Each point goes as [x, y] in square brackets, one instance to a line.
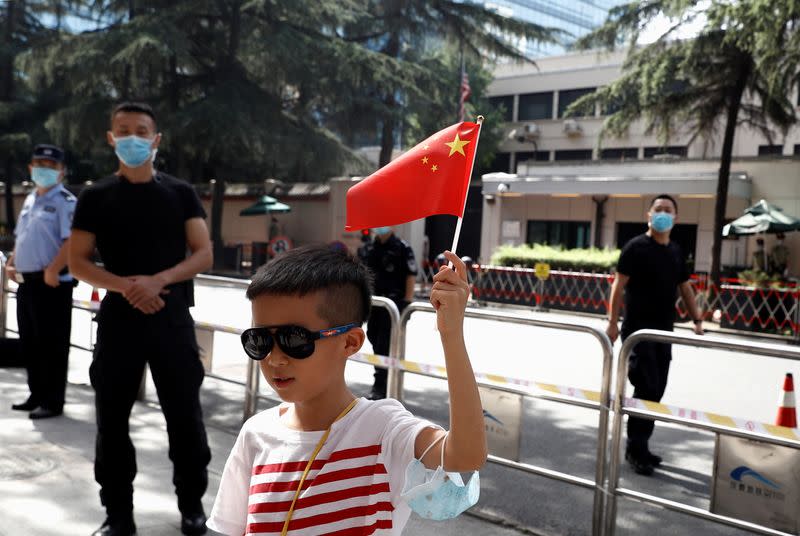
[308, 466]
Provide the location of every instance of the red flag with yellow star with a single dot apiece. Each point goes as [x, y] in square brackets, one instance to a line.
[432, 178]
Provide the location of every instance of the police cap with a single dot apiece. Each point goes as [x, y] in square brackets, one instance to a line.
[48, 152]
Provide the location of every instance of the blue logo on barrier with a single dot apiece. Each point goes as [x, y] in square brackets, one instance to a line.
[492, 418]
[742, 471]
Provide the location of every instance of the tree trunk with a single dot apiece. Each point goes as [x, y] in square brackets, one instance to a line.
[734, 103]
[217, 200]
[128, 74]
[7, 66]
[392, 49]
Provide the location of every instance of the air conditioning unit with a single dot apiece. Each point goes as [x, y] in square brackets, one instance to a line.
[572, 128]
[528, 132]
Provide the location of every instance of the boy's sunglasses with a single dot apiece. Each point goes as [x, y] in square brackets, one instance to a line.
[294, 341]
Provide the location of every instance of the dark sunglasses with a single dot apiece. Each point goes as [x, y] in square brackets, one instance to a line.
[294, 341]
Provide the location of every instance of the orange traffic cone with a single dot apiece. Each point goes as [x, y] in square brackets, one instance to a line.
[95, 299]
[787, 414]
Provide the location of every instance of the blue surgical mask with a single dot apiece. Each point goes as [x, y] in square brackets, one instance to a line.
[662, 222]
[436, 494]
[45, 177]
[133, 151]
[382, 230]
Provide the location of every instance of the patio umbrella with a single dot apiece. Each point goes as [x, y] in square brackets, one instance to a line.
[266, 205]
[762, 217]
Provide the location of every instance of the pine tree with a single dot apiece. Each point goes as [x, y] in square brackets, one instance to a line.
[740, 68]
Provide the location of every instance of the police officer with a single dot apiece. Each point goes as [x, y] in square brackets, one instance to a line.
[392, 263]
[142, 223]
[44, 298]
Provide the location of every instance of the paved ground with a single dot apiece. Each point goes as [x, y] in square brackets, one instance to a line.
[62, 493]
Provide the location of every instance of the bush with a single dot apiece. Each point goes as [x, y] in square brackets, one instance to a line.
[576, 260]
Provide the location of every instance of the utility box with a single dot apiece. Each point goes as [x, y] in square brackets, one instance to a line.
[757, 482]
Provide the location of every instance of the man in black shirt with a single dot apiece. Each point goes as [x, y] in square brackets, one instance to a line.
[651, 271]
[391, 261]
[142, 223]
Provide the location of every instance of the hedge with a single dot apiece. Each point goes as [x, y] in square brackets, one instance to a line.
[576, 260]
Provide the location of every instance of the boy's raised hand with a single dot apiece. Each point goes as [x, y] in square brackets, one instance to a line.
[449, 295]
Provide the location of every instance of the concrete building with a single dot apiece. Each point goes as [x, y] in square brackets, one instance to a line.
[553, 182]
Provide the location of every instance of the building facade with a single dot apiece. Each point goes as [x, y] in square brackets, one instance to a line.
[552, 181]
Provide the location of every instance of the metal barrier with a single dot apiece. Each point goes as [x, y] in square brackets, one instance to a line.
[598, 485]
[614, 491]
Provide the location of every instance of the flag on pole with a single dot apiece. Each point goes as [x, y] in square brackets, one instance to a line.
[432, 178]
[466, 91]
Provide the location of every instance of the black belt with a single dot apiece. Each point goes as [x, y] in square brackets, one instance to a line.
[30, 277]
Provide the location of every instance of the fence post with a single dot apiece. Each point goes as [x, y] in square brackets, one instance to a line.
[251, 389]
[3, 295]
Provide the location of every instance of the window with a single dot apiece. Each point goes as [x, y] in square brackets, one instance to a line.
[574, 154]
[627, 153]
[650, 152]
[797, 150]
[567, 234]
[501, 163]
[568, 96]
[506, 102]
[535, 106]
[526, 156]
[770, 150]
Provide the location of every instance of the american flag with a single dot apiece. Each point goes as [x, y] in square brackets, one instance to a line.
[465, 93]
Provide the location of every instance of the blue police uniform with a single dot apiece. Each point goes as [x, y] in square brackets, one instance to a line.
[44, 313]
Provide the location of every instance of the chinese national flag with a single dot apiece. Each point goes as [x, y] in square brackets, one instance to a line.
[432, 178]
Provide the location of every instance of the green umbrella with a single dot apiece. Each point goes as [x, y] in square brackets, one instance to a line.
[762, 217]
[265, 205]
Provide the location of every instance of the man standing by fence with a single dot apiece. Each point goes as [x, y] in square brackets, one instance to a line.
[143, 222]
[651, 270]
[391, 261]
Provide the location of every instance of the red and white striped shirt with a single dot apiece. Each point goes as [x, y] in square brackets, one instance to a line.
[353, 487]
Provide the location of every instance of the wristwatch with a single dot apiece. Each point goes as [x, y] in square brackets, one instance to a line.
[698, 321]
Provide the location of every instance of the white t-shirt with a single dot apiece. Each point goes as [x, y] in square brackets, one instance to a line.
[353, 486]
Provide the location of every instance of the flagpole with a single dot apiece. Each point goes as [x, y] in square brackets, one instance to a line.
[479, 121]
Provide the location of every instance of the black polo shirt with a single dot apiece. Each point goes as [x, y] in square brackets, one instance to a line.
[140, 228]
[655, 271]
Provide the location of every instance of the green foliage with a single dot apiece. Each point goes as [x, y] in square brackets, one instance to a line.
[741, 68]
[578, 260]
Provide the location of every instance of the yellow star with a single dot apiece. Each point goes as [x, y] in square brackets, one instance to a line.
[434, 167]
[425, 160]
[457, 146]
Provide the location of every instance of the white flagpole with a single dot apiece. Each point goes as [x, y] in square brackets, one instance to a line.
[479, 121]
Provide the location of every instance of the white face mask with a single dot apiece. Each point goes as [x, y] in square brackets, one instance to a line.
[436, 494]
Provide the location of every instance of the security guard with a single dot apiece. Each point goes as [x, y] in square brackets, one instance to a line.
[143, 222]
[392, 263]
[44, 298]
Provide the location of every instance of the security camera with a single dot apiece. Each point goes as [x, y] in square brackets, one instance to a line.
[502, 187]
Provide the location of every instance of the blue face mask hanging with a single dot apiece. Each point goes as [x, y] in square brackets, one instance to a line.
[436, 494]
[133, 151]
[382, 230]
[662, 222]
[44, 177]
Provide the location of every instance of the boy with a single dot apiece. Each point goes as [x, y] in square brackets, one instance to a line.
[347, 456]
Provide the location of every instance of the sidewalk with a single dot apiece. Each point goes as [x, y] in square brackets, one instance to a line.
[47, 485]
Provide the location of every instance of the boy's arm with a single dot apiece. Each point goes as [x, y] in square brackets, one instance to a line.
[465, 447]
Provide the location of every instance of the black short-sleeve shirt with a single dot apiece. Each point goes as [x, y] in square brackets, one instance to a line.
[391, 263]
[655, 271]
[140, 228]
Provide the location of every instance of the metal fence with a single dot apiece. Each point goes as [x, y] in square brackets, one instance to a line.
[733, 304]
[621, 409]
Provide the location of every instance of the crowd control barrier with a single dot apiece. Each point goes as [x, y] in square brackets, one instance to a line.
[722, 425]
[402, 366]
